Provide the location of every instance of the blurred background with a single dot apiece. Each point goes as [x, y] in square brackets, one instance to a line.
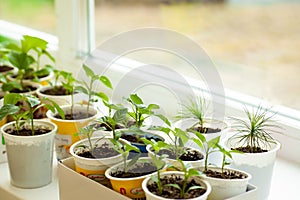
[253, 43]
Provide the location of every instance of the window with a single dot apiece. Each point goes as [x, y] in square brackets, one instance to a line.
[254, 44]
[36, 14]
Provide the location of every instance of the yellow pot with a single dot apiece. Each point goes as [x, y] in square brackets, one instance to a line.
[3, 121]
[130, 187]
[67, 133]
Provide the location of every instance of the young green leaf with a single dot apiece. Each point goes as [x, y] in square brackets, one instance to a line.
[106, 81]
[30, 42]
[33, 101]
[120, 115]
[136, 99]
[12, 98]
[8, 109]
[88, 71]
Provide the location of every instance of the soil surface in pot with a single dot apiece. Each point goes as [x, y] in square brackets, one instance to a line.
[139, 169]
[103, 151]
[31, 77]
[189, 155]
[134, 138]
[249, 149]
[56, 91]
[26, 88]
[75, 116]
[107, 128]
[227, 174]
[204, 130]
[174, 193]
[5, 68]
[26, 131]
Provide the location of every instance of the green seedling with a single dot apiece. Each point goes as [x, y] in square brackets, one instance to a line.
[124, 149]
[256, 130]
[87, 87]
[140, 111]
[195, 109]
[188, 173]
[28, 105]
[157, 160]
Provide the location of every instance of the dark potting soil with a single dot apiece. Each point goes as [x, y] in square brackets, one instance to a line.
[103, 151]
[75, 116]
[107, 128]
[133, 138]
[205, 130]
[58, 91]
[131, 123]
[189, 155]
[31, 77]
[227, 174]
[27, 88]
[249, 149]
[139, 169]
[174, 193]
[5, 68]
[26, 131]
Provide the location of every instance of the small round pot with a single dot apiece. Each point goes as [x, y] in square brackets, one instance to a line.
[95, 168]
[43, 81]
[194, 164]
[148, 135]
[226, 188]
[151, 196]
[215, 158]
[35, 85]
[259, 165]
[130, 187]
[67, 133]
[59, 99]
[30, 157]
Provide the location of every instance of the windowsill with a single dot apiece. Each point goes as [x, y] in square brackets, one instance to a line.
[286, 179]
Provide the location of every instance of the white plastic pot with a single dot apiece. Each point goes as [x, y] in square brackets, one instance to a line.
[215, 158]
[42, 81]
[225, 188]
[94, 168]
[259, 165]
[151, 196]
[194, 164]
[30, 157]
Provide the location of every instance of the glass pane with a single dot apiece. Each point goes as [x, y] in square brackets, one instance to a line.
[36, 14]
[254, 43]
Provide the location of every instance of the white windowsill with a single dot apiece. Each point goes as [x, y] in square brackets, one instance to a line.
[285, 182]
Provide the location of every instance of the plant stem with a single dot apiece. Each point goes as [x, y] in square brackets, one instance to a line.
[90, 142]
[31, 119]
[184, 185]
[89, 97]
